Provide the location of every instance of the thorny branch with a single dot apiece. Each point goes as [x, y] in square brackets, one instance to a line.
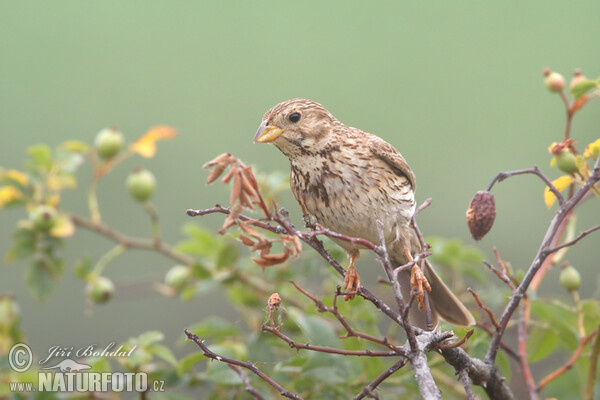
[543, 252]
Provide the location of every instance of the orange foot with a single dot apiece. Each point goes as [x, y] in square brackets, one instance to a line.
[418, 282]
[352, 280]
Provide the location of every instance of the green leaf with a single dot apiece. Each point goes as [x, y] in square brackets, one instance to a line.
[227, 256]
[220, 372]
[503, 363]
[149, 337]
[39, 280]
[200, 271]
[583, 87]
[83, 268]
[202, 242]
[75, 146]
[163, 352]
[591, 314]
[186, 363]
[542, 342]
[41, 156]
[23, 246]
[316, 330]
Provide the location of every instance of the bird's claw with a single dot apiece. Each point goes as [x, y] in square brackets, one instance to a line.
[419, 284]
[351, 281]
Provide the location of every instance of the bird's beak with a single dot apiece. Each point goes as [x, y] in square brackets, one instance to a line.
[267, 133]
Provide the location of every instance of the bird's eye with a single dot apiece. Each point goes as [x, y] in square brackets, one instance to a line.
[294, 117]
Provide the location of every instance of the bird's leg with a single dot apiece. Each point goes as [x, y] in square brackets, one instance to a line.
[418, 282]
[351, 280]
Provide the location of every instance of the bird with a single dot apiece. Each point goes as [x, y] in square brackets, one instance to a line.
[348, 179]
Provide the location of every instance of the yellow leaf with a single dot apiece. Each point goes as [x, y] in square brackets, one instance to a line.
[146, 144]
[560, 184]
[17, 176]
[63, 227]
[553, 162]
[551, 148]
[53, 200]
[62, 181]
[592, 150]
[8, 194]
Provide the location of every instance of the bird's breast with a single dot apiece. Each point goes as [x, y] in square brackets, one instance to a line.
[348, 194]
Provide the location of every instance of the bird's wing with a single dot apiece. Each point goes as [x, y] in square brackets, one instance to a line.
[386, 152]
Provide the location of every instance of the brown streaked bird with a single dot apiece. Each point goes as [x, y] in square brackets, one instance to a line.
[348, 179]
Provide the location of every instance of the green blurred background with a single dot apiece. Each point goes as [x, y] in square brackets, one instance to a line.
[455, 86]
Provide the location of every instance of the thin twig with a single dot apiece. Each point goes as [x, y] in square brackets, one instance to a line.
[503, 277]
[457, 343]
[208, 353]
[572, 242]
[510, 352]
[537, 262]
[326, 349]
[535, 171]
[350, 332]
[522, 336]
[466, 381]
[566, 366]
[247, 386]
[370, 388]
[484, 308]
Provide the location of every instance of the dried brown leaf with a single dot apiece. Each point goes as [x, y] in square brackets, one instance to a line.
[248, 188]
[224, 158]
[245, 200]
[215, 173]
[237, 187]
[228, 176]
[231, 218]
[246, 240]
[295, 245]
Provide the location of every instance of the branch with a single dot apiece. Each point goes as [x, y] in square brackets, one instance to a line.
[535, 171]
[481, 374]
[208, 353]
[484, 307]
[350, 332]
[466, 381]
[370, 388]
[591, 377]
[325, 349]
[572, 242]
[537, 262]
[249, 388]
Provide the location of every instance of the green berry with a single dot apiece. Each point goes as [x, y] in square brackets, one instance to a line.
[177, 277]
[43, 217]
[141, 184]
[554, 82]
[100, 290]
[570, 278]
[567, 162]
[108, 143]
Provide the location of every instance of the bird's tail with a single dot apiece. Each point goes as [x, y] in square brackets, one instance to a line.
[443, 303]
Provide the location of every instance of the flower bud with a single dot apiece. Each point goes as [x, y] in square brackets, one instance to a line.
[554, 81]
[141, 184]
[481, 214]
[577, 78]
[108, 143]
[570, 278]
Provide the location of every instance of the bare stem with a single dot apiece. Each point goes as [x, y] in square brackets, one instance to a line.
[249, 366]
[535, 171]
[370, 388]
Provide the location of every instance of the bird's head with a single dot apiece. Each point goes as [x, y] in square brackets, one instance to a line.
[297, 126]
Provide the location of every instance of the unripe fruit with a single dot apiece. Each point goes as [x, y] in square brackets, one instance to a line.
[108, 143]
[554, 81]
[100, 290]
[578, 77]
[141, 184]
[177, 277]
[570, 278]
[43, 217]
[567, 162]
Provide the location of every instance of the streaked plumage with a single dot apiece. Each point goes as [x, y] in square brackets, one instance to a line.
[348, 179]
